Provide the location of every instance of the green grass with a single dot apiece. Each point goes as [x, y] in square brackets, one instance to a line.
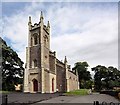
[5, 92]
[78, 92]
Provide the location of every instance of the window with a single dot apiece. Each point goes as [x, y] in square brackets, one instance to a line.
[34, 63]
[35, 40]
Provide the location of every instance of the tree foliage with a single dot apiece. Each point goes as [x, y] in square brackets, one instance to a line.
[106, 78]
[84, 75]
[12, 67]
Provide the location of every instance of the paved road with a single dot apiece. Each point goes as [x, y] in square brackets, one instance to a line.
[83, 99]
[19, 97]
[39, 99]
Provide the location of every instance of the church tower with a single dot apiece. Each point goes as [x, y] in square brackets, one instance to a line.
[37, 56]
[45, 73]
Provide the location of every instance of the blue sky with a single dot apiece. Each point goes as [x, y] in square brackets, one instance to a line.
[10, 8]
[81, 31]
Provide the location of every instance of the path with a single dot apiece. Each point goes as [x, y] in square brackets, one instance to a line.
[39, 99]
[83, 99]
[19, 97]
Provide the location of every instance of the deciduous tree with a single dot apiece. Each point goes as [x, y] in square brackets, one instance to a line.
[84, 75]
[105, 77]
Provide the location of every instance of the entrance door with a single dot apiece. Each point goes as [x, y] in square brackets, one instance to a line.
[35, 85]
[53, 85]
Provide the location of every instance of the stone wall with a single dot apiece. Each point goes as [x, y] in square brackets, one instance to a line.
[46, 82]
[35, 54]
[52, 63]
[61, 80]
[73, 81]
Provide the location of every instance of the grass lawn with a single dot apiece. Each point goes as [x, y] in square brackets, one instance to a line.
[78, 92]
[5, 92]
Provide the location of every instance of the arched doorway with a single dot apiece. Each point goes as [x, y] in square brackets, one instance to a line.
[53, 85]
[35, 85]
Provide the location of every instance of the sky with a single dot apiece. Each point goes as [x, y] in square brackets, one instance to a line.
[82, 31]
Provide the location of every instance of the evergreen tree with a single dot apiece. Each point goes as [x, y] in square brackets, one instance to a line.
[12, 67]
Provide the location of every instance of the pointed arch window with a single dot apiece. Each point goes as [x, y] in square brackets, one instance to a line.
[35, 40]
[34, 63]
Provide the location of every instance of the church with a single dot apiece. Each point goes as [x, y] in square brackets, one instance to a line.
[45, 73]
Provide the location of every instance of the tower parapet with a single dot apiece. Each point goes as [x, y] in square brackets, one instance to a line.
[35, 26]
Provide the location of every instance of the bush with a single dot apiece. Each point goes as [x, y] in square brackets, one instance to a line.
[8, 87]
[109, 92]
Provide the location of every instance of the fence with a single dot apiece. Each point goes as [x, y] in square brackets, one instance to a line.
[4, 99]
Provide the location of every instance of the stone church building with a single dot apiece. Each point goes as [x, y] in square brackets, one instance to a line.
[44, 73]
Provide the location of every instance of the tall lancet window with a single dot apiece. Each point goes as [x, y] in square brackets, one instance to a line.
[34, 64]
[35, 40]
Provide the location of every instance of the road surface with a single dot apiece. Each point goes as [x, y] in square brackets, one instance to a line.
[83, 99]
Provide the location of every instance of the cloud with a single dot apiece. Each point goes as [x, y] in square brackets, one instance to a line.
[60, 1]
[80, 31]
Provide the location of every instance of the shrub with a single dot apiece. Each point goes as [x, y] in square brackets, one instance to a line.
[114, 93]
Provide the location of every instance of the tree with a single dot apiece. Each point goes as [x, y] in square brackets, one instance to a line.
[113, 77]
[106, 78]
[12, 67]
[83, 74]
[100, 72]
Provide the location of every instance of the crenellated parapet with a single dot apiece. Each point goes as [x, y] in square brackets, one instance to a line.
[34, 26]
[39, 25]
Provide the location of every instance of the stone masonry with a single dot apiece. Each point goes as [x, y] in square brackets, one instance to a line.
[44, 73]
